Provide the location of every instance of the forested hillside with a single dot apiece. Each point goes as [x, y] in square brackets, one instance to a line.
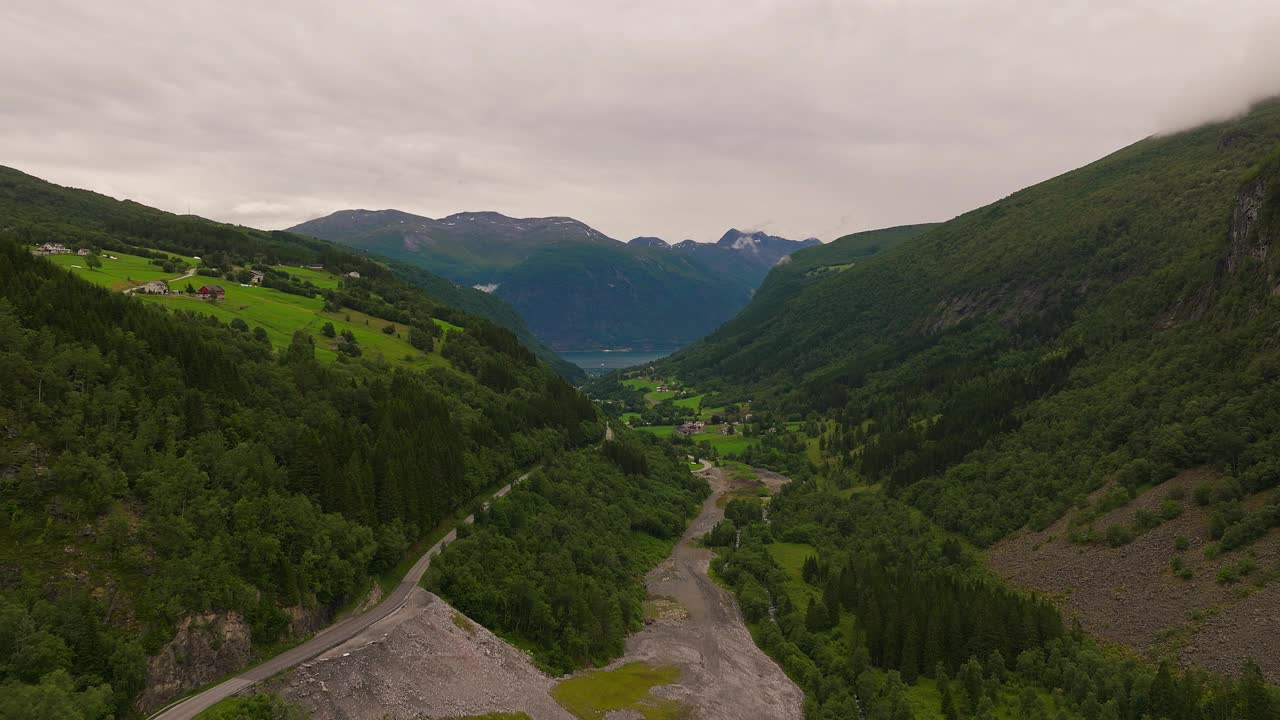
[163, 470]
[38, 211]
[1113, 323]
[558, 564]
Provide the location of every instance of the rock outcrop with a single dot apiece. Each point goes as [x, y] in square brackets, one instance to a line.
[205, 648]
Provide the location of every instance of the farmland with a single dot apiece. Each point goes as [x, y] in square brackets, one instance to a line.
[280, 314]
[122, 272]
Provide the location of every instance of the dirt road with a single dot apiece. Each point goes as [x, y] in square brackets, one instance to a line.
[724, 676]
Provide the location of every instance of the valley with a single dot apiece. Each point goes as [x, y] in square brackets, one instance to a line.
[1023, 464]
[577, 288]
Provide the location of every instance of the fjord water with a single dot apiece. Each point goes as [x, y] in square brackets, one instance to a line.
[599, 362]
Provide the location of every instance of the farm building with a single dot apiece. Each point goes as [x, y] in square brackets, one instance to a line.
[52, 249]
[83, 252]
[353, 274]
[155, 287]
[255, 276]
[691, 428]
[211, 292]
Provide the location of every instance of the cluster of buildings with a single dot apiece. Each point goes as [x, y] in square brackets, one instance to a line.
[58, 249]
[692, 428]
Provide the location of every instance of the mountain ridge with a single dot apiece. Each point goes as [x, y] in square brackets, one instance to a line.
[577, 288]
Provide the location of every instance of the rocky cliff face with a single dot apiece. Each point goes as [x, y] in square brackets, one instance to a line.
[1245, 241]
[205, 648]
[210, 646]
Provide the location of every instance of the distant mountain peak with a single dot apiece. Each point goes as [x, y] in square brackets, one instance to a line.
[650, 242]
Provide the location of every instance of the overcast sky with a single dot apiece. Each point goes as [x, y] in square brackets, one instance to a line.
[668, 118]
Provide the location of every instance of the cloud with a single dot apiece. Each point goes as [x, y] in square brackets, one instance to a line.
[662, 118]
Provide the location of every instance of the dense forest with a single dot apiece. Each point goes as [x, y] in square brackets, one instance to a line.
[557, 566]
[154, 465]
[1113, 323]
[891, 600]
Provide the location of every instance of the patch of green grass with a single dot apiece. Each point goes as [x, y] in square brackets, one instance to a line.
[641, 384]
[462, 622]
[926, 700]
[280, 314]
[726, 444]
[124, 272]
[691, 402]
[591, 695]
[319, 278]
[659, 430]
[790, 557]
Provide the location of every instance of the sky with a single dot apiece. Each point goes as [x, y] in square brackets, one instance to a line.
[674, 119]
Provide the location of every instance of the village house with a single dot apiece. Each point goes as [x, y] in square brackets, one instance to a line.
[692, 428]
[255, 277]
[155, 287]
[315, 267]
[83, 252]
[353, 274]
[52, 249]
[211, 292]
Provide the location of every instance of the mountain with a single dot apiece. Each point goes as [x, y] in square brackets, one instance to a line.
[575, 287]
[471, 248]
[745, 256]
[1082, 375]
[182, 495]
[649, 242]
[29, 199]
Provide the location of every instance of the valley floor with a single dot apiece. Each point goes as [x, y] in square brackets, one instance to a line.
[723, 674]
[429, 660]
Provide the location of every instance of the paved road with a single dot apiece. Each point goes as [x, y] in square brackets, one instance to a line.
[326, 639]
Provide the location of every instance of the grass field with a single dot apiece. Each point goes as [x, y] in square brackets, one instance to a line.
[594, 694]
[692, 402]
[790, 557]
[124, 272]
[641, 384]
[280, 314]
[319, 278]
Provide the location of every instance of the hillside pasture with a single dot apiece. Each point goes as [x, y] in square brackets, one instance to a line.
[124, 272]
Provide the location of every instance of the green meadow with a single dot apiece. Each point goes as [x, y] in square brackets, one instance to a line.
[280, 314]
[593, 695]
[320, 278]
[124, 272]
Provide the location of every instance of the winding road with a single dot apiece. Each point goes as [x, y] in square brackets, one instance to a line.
[326, 639]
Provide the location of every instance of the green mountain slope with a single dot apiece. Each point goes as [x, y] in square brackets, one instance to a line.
[1109, 324]
[576, 288]
[44, 212]
[578, 296]
[179, 496]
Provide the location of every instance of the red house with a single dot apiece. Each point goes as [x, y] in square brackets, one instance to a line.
[214, 292]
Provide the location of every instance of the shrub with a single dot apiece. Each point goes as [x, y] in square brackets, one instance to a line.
[1144, 520]
[1170, 509]
[1185, 573]
[1118, 535]
[1227, 575]
[1181, 543]
[1212, 550]
[1204, 494]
